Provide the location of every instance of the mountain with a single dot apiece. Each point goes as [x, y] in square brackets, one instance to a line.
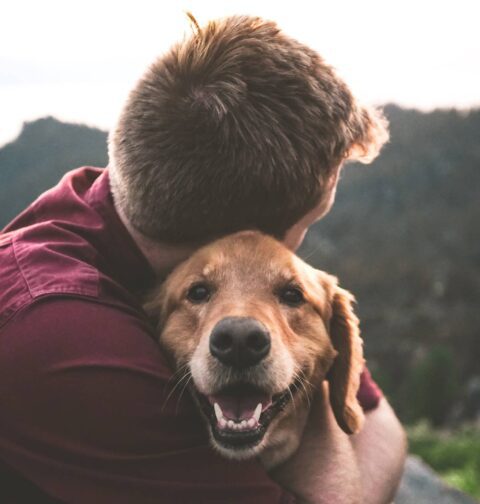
[403, 236]
[42, 153]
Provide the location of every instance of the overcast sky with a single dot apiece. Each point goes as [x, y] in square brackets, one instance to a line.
[77, 60]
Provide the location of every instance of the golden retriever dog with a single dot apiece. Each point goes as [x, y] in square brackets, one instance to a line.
[257, 330]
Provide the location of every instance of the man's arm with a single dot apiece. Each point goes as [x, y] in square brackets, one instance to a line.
[331, 467]
[380, 449]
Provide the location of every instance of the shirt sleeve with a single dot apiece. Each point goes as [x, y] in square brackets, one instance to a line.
[88, 413]
[369, 393]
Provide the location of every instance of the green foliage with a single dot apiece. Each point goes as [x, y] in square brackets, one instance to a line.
[454, 455]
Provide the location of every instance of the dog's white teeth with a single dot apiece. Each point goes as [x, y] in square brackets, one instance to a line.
[226, 424]
[232, 425]
[257, 412]
[218, 412]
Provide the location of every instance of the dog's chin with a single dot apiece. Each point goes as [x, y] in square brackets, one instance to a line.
[241, 416]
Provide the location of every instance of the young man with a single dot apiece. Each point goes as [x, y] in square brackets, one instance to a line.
[237, 127]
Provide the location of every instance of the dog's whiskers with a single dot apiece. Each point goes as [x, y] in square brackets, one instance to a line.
[303, 383]
[182, 391]
[304, 380]
[293, 401]
[186, 375]
[180, 370]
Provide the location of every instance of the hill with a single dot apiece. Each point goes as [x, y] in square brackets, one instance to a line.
[42, 153]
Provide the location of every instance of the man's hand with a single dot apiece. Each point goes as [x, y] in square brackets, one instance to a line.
[330, 466]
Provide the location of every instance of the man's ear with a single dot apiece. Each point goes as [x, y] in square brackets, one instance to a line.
[344, 375]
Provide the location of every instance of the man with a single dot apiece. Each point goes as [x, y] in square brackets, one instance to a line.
[237, 127]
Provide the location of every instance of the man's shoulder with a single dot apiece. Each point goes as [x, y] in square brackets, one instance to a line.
[32, 267]
[70, 242]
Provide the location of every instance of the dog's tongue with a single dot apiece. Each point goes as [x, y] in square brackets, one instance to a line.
[240, 406]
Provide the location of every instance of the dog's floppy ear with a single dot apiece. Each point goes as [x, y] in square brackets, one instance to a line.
[344, 375]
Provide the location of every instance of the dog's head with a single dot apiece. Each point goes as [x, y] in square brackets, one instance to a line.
[256, 327]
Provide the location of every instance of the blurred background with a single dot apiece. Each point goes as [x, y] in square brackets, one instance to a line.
[404, 234]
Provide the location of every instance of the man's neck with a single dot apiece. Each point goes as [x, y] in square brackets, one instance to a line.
[162, 257]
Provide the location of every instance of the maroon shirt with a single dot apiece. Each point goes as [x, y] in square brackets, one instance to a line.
[84, 408]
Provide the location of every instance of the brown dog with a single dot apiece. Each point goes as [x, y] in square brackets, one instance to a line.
[256, 330]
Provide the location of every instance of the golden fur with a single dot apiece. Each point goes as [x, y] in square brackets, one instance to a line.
[317, 340]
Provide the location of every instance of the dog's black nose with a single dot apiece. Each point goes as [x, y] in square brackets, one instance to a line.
[239, 342]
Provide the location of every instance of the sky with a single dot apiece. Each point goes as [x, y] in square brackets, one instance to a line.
[78, 60]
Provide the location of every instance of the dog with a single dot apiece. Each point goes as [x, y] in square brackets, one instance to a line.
[257, 331]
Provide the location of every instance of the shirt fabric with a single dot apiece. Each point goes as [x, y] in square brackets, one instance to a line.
[86, 410]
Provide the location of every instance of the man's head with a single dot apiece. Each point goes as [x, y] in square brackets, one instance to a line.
[236, 127]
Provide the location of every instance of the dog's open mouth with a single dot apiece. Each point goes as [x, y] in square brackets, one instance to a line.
[240, 414]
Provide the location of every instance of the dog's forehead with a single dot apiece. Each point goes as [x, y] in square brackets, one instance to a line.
[248, 253]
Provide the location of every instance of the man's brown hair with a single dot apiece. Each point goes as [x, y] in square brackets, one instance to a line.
[236, 127]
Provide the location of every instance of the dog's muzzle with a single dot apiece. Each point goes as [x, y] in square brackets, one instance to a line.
[240, 412]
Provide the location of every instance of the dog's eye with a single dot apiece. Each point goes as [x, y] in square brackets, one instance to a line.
[291, 296]
[198, 293]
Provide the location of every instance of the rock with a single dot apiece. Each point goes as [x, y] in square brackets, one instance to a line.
[421, 485]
